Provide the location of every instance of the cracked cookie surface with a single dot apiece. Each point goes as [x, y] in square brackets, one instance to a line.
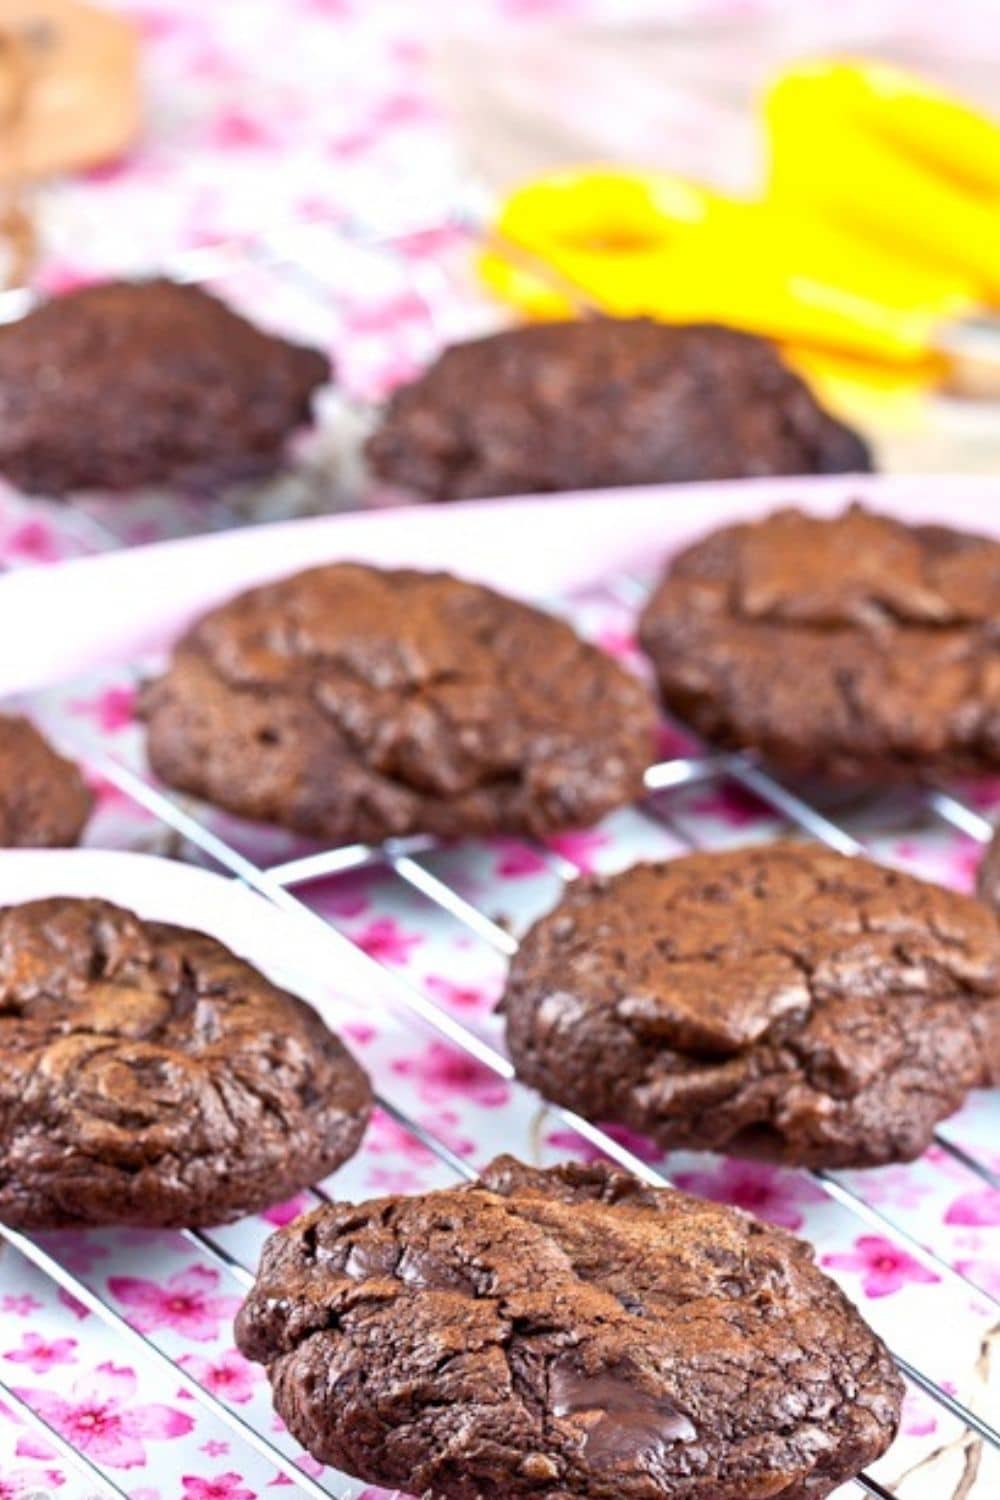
[779, 1000]
[150, 1077]
[147, 382]
[44, 800]
[569, 1334]
[855, 648]
[350, 703]
[604, 402]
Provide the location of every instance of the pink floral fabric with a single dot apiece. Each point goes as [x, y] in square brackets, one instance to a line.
[140, 1425]
[339, 123]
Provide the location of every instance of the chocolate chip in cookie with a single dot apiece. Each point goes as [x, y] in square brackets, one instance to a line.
[352, 703]
[150, 1077]
[568, 1332]
[779, 1000]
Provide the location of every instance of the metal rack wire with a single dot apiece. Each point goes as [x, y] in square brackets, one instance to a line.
[283, 884]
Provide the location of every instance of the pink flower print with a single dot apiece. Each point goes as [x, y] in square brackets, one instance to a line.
[235, 130]
[383, 317]
[444, 1125]
[77, 1252]
[884, 1268]
[42, 1355]
[338, 10]
[21, 1482]
[639, 1145]
[919, 1419]
[403, 109]
[214, 1448]
[766, 1191]
[385, 940]
[731, 804]
[33, 541]
[347, 905]
[983, 1273]
[386, 1137]
[21, 1306]
[468, 997]
[362, 1033]
[33, 1445]
[157, 24]
[280, 1214]
[617, 640]
[394, 1180]
[896, 1187]
[123, 166]
[978, 1210]
[228, 1376]
[111, 710]
[518, 860]
[222, 1487]
[185, 1303]
[984, 793]
[532, 9]
[580, 847]
[346, 896]
[102, 1419]
[73, 1304]
[209, 62]
[442, 1071]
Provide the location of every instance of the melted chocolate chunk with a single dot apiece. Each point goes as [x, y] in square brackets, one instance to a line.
[542, 1335]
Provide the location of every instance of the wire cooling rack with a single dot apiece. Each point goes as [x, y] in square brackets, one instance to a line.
[300, 259]
[323, 282]
[411, 864]
[382, 299]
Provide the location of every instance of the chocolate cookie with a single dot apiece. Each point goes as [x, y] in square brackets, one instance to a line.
[150, 1077]
[567, 1333]
[351, 703]
[44, 801]
[587, 405]
[988, 877]
[134, 383]
[855, 648]
[778, 1000]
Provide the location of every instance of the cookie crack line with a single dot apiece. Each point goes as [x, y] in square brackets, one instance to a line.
[106, 1127]
[832, 1027]
[892, 626]
[472, 1341]
[458, 711]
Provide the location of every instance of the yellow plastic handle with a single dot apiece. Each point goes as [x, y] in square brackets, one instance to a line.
[632, 243]
[877, 153]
